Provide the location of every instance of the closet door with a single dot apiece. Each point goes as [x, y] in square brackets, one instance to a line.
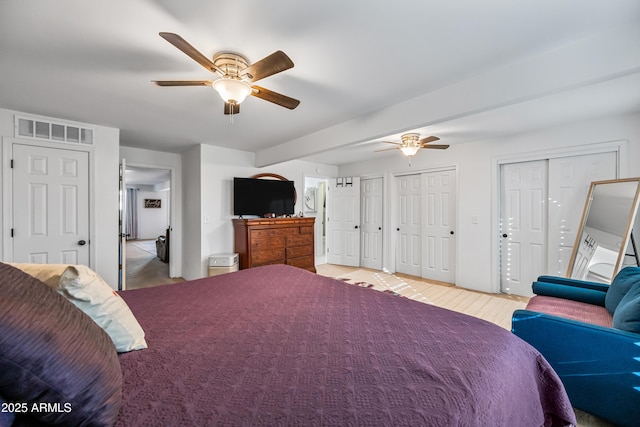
[343, 221]
[523, 225]
[569, 181]
[541, 204]
[371, 223]
[409, 229]
[439, 220]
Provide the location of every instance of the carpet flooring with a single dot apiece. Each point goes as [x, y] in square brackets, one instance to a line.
[143, 267]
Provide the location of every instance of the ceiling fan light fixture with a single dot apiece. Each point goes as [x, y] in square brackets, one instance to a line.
[409, 150]
[232, 90]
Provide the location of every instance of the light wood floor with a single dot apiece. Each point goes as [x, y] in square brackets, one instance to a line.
[490, 307]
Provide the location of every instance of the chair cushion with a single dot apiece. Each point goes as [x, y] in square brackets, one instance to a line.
[569, 309]
[627, 314]
[620, 286]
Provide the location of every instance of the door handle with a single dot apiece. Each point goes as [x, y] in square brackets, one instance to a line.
[379, 228]
[356, 226]
[82, 242]
[505, 235]
[452, 232]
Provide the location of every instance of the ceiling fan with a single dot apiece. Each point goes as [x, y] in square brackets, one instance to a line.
[411, 143]
[236, 75]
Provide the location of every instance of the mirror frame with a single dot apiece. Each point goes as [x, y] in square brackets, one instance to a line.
[628, 229]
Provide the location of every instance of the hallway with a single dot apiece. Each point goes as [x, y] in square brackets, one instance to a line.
[143, 267]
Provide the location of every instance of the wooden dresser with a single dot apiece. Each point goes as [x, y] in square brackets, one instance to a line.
[262, 241]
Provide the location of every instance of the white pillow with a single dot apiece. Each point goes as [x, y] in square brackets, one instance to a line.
[47, 273]
[87, 291]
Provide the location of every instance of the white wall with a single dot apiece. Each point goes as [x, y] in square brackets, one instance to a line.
[104, 202]
[477, 263]
[152, 222]
[218, 166]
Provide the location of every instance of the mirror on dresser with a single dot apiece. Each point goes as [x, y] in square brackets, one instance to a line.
[605, 240]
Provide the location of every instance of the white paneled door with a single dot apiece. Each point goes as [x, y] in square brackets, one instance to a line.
[409, 227]
[343, 221]
[523, 225]
[439, 248]
[569, 182]
[541, 207]
[371, 223]
[50, 190]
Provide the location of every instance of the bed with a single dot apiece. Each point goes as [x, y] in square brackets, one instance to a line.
[277, 345]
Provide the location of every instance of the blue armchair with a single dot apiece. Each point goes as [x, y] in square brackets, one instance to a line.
[590, 334]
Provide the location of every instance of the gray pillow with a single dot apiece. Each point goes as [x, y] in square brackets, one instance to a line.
[53, 353]
[621, 284]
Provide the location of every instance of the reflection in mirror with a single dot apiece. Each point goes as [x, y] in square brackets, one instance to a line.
[605, 234]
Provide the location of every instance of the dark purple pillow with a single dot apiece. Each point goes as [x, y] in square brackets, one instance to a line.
[52, 353]
[6, 417]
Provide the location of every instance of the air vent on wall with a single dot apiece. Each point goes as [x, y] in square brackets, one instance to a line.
[46, 130]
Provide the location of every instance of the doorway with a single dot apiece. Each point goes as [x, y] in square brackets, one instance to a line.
[147, 226]
[314, 204]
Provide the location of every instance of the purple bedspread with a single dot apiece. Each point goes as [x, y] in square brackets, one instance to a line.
[277, 345]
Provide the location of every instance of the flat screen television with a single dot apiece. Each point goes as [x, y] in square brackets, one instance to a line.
[252, 196]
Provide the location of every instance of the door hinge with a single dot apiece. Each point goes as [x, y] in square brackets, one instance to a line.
[12, 232]
[11, 164]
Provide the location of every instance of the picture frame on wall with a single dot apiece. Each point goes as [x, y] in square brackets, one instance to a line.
[153, 203]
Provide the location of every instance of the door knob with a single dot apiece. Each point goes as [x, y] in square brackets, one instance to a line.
[379, 228]
[505, 235]
[356, 226]
[82, 242]
[452, 232]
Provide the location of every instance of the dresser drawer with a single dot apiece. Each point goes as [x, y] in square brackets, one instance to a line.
[306, 230]
[267, 244]
[302, 262]
[298, 251]
[267, 257]
[266, 233]
[300, 240]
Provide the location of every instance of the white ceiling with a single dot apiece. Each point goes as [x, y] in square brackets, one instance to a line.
[93, 62]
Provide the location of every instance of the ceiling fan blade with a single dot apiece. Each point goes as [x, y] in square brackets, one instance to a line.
[268, 66]
[276, 98]
[436, 146]
[428, 139]
[231, 108]
[183, 82]
[388, 149]
[391, 142]
[191, 51]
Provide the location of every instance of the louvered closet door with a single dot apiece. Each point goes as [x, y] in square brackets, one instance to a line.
[50, 205]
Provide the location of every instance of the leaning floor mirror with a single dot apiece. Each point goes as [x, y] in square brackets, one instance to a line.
[605, 242]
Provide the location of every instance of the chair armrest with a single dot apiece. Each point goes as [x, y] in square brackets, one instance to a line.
[596, 364]
[570, 292]
[574, 282]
